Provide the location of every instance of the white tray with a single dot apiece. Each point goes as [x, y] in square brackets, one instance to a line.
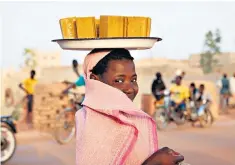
[131, 43]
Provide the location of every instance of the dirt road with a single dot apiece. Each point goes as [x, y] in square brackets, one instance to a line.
[211, 146]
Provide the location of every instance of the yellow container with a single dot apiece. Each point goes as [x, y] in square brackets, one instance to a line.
[111, 26]
[86, 27]
[138, 26]
[68, 28]
[97, 24]
[149, 27]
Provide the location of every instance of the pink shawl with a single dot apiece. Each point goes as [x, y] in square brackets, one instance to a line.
[110, 130]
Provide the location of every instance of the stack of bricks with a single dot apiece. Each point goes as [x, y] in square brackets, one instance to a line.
[48, 103]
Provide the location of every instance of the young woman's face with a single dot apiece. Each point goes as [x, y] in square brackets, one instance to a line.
[121, 74]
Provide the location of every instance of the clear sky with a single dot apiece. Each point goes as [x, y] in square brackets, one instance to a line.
[182, 26]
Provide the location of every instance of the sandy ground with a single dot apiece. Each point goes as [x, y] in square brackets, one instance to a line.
[210, 146]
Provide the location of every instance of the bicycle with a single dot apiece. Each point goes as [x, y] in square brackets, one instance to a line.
[65, 121]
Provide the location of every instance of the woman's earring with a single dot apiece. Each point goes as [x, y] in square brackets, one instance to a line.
[94, 77]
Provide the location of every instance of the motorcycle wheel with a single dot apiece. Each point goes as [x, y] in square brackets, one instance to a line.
[179, 118]
[65, 127]
[161, 118]
[8, 143]
[206, 119]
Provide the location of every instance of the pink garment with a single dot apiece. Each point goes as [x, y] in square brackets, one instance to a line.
[110, 130]
[91, 60]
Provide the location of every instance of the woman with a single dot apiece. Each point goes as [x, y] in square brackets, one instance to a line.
[110, 130]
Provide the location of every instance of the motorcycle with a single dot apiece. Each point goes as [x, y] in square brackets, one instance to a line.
[166, 113]
[200, 112]
[8, 140]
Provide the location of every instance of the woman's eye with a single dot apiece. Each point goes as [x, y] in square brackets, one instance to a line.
[119, 81]
[134, 80]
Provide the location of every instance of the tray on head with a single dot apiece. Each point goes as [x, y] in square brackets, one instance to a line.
[130, 43]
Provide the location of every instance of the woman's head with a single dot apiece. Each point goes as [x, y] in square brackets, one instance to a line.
[116, 69]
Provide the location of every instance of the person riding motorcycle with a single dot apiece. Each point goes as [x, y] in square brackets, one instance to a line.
[158, 87]
[179, 95]
[203, 100]
[79, 83]
[192, 91]
[75, 67]
[74, 99]
[178, 73]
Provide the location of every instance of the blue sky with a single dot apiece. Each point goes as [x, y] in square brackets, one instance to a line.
[182, 26]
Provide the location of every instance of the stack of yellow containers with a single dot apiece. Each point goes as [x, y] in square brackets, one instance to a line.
[105, 27]
[68, 27]
[111, 26]
[138, 27]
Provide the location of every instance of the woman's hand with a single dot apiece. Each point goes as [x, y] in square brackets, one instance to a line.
[164, 156]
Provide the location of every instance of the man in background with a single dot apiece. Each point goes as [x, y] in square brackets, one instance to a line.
[192, 91]
[179, 94]
[225, 92]
[232, 84]
[80, 82]
[28, 86]
[178, 73]
[232, 88]
[75, 67]
[158, 87]
[80, 79]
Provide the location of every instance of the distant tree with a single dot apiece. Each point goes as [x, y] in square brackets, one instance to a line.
[30, 58]
[210, 49]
